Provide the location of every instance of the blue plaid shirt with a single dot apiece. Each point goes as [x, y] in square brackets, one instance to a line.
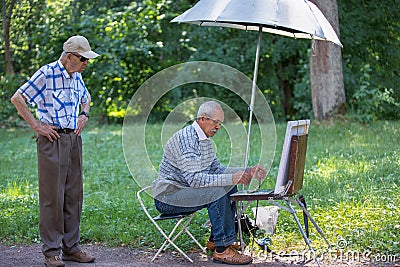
[56, 94]
[189, 160]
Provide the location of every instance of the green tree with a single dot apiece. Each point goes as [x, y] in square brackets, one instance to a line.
[7, 9]
[327, 87]
[136, 40]
[370, 33]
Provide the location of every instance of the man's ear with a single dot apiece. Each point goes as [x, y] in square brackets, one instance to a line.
[200, 119]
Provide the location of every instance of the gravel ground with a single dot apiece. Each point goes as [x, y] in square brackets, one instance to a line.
[122, 256]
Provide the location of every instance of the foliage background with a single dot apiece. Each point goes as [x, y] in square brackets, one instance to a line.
[136, 40]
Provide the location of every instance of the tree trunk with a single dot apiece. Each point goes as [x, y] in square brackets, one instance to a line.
[326, 73]
[6, 17]
[286, 87]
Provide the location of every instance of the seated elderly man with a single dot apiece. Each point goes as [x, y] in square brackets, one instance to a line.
[191, 178]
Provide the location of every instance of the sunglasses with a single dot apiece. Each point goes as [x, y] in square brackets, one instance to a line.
[81, 58]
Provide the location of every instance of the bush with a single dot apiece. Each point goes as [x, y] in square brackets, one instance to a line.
[370, 103]
[8, 85]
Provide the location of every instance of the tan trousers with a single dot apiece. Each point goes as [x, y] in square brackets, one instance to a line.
[60, 193]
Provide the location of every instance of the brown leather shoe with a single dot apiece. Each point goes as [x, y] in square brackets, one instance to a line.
[54, 261]
[231, 256]
[81, 256]
[211, 245]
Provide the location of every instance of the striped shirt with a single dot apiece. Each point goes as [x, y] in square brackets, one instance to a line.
[56, 94]
[191, 162]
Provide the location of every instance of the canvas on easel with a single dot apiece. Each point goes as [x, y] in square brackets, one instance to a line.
[294, 128]
[296, 132]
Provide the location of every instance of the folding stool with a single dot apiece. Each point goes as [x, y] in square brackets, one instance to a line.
[182, 220]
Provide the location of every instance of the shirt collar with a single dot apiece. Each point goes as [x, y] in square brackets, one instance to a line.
[63, 70]
[199, 131]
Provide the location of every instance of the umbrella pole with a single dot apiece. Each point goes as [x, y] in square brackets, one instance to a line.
[253, 93]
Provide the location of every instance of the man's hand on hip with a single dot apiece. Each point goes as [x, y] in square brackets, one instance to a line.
[82, 120]
[47, 130]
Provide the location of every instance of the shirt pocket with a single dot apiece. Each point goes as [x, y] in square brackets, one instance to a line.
[58, 100]
[54, 102]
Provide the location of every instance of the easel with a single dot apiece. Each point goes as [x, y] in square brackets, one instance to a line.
[291, 171]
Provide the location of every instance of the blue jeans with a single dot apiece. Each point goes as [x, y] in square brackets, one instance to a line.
[221, 213]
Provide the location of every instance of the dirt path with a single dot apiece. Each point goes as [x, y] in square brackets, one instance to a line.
[121, 256]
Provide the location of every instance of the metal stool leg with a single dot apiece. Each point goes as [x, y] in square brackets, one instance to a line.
[168, 241]
[184, 228]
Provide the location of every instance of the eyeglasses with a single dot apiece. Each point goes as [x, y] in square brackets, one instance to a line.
[81, 58]
[216, 122]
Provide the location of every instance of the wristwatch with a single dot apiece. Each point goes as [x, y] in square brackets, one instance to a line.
[84, 113]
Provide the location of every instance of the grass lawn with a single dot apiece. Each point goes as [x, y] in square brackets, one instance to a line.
[352, 181]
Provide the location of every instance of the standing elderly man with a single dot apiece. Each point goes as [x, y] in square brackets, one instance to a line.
[63, 102]
[191, 178]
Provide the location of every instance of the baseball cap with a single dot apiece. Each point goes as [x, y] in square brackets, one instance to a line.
[79, 44]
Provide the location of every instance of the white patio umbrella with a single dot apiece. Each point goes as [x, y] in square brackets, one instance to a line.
[293, 18]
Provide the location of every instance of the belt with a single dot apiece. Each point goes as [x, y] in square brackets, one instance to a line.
[65, 130]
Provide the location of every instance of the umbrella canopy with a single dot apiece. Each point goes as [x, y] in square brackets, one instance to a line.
[293, 18]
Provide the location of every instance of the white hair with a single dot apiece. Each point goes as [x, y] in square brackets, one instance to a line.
[207, 108]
